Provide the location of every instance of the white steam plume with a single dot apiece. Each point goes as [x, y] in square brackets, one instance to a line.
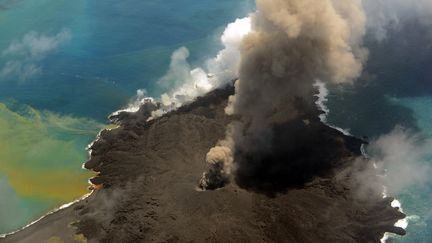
[398, 161]
[405, 158]
[225, 65]
[292, 44]
[186, 83]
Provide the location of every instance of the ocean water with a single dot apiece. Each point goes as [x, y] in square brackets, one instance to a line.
[416, 200]
[394, 90]
[39, 167]
[65, 66]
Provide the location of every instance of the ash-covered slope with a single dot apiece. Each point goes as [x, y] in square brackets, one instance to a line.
[149, 172]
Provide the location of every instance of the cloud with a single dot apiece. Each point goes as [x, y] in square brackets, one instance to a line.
[25, 55]
[384, 16]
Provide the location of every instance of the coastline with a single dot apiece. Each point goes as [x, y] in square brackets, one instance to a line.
[132, 122]
[66, 205]
[54, 211]
[320, 102]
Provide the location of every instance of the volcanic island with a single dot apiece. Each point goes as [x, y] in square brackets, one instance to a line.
[147, 185]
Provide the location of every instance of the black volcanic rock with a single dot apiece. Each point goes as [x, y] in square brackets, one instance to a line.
[148, 173]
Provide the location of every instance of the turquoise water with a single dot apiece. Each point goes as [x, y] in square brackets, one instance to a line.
[416, 201]
[65, 66]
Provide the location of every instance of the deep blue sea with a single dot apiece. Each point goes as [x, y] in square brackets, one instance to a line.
[66, 65]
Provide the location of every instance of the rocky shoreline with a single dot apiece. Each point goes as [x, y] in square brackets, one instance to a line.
[148, 173]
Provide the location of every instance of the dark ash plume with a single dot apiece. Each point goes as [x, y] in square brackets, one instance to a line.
[292, 44]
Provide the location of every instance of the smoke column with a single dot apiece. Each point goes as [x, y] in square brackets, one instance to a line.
[292, 44]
